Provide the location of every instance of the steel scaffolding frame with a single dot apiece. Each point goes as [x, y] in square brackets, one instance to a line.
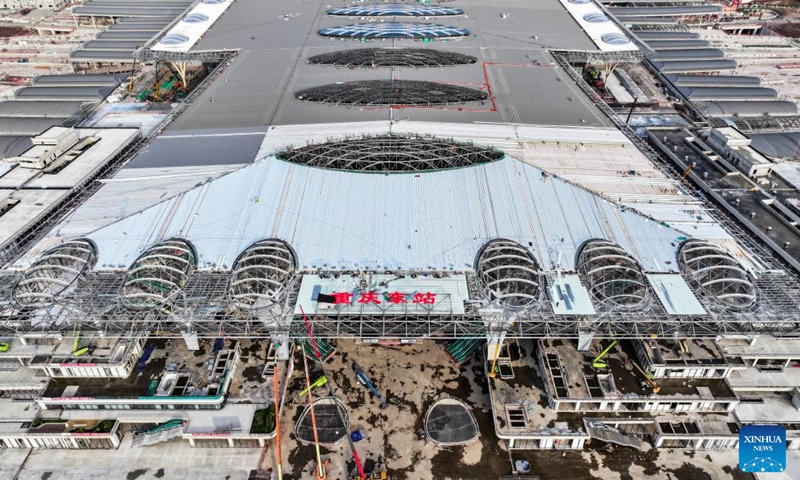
[205, 308]
[763, 124]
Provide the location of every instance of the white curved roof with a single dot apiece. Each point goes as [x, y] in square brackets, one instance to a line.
[590, 17]
[193, 25]
[427, 220]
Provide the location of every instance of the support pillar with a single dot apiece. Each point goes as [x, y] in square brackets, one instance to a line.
[584, 341]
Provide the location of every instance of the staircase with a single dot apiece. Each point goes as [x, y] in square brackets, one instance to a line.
[159, 433]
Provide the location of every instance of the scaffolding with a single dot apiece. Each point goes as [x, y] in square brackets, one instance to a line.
[390, 153]
[763, 124]
[392, 57]
[56, 271]
[389, 92]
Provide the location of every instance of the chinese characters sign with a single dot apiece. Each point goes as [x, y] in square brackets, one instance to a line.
[391, 298]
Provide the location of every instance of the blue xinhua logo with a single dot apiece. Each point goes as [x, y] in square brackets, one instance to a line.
[762, 448]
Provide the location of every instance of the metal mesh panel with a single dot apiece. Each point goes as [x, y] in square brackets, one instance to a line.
[388, 92]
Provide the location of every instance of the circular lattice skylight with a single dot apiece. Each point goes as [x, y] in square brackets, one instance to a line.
[392, 57]
[595, 17]
[388, 92]
[390, 154]
[615, 39]
[174, 39]
[195, 18]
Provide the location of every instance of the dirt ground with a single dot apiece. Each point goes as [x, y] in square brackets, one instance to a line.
[9, 31]
[412, 377]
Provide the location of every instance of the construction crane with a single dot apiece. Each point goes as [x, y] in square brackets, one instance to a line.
[653, 385]
[598, 363]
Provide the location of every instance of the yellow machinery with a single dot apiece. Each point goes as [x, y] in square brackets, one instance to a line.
[372, 476]
[598, 363]
[653, 385]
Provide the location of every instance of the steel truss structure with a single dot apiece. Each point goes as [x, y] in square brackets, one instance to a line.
[389, 92]
[390, 153]
[206, 308]
[392, 57]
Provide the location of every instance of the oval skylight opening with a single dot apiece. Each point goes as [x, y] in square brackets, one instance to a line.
[595, 17]
[174, 39]
[579, 2]
[195, 18]
[615, 39]
[213, 2]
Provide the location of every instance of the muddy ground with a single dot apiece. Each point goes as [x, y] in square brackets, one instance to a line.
[411, 378]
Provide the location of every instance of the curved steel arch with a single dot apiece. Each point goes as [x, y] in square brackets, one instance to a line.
[390, 154]
[159, 274]
[392, 57]
[261, 273]
[714, 273]
[54, 272]
[612, 275]
[509, 273]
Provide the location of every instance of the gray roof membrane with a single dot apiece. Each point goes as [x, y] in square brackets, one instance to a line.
[58, 109]
[727, 93]
[689, 54]
[689, 66]
[13, 145]
[666, 35]
[79, 80]
[782, 145]
[756, 108]
[28, 125]
[712, 80]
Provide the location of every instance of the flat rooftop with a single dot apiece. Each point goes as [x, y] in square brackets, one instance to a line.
[580, 378]
[167, 355]
[258, 88]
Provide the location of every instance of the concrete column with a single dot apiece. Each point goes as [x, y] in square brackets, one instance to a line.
[698, 444]
[230, 442]
[511, 442]
[74, 442]
[584, 341]
[191, 442]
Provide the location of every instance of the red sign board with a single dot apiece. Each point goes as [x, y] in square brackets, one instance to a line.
[77, 364]
[89, 434]
[69, 399]
[205, 435]
[392, 298]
